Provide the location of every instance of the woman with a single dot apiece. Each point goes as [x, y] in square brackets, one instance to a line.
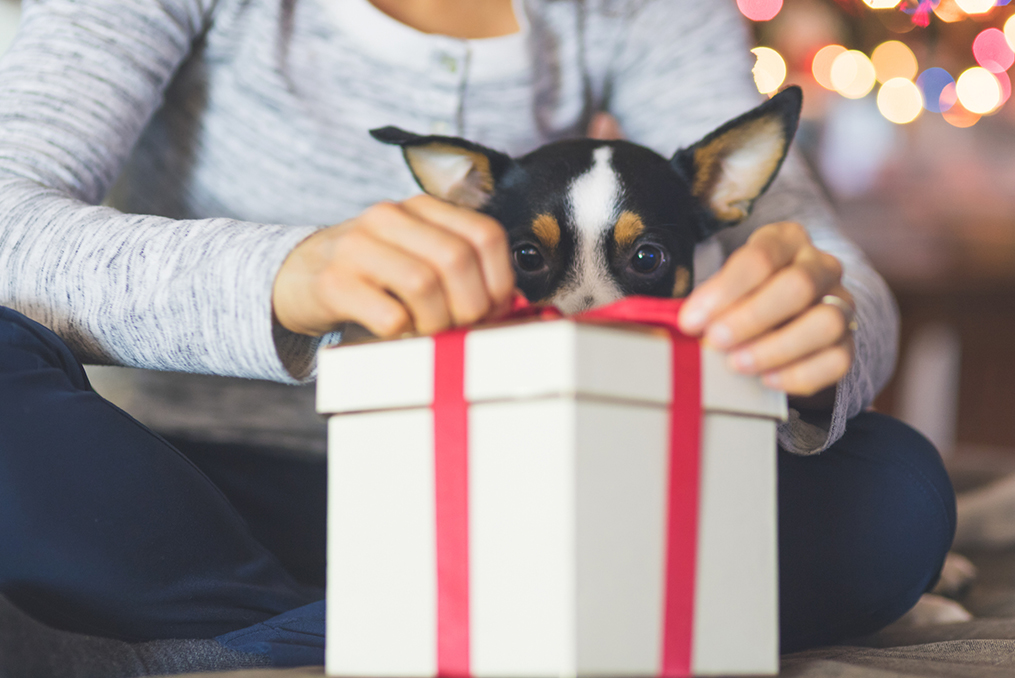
[237, 129]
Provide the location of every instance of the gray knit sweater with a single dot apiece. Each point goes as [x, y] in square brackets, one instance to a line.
[233, 129]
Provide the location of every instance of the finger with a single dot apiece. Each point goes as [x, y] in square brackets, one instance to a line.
[769, 249]
[818, 328]
[371, 307]
[484, 233]
[450, 255]
[783, 296]
[814, 373]
[502, 309]
[411, 280]
[605, 127]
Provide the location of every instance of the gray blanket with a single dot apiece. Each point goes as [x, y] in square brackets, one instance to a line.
[981, 648]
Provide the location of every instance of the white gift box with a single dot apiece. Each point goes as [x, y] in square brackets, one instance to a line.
[567, 495]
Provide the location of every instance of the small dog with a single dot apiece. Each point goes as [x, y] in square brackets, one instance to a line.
[592, 221]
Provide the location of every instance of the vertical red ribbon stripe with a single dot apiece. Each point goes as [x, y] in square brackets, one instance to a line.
[451, 468]
[684, 473]
[682, 518]
[451, 478]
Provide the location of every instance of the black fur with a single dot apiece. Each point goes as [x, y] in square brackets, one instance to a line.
[655, 188]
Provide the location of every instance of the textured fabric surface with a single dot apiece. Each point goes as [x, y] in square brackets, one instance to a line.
[29, 649]
[238, 127]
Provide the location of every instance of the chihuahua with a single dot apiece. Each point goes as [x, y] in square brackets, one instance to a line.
[592, 221]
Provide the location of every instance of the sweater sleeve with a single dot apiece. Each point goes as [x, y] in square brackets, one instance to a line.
[680, 70]
[80, 83]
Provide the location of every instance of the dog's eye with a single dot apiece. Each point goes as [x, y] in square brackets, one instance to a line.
[647, 259]
[528, 258]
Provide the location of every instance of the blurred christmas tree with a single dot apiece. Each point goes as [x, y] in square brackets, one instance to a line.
[947, 57]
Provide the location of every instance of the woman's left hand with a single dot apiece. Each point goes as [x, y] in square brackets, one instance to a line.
[764, 307]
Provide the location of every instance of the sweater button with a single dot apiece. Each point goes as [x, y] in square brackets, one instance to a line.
[448, 62]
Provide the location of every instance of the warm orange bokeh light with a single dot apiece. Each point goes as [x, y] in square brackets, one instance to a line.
[958, 116]
[949, 12]
[821, 67]
[900, 101]
[769, 69]
[852, 74]
[893, 59]
[978, 90]
[975, 6]
[1009, 31]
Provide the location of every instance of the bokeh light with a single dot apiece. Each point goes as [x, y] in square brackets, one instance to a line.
[978, 90]
[893, 59]
[852, 74]
[949, 12]
[975, 6]
[769, 69]
[759, 10]
[821, 67]
[960, 117]
[881, 4]
[1005, 82]
[900, 101]
[1009, 31]
[948, 98]
[932, 82]
[992, 51]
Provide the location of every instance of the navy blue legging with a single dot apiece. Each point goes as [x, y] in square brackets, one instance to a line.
[107, 528]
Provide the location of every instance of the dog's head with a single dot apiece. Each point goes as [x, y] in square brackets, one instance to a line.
[592, 221]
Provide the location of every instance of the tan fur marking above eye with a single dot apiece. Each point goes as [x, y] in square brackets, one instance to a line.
[731, 203]
[547, 230]
[629, 227]
[681, 282]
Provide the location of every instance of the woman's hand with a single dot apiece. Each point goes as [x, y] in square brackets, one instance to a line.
[764, 308]
[421, 265]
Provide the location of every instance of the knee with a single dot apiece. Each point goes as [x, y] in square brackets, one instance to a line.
[27, 346]
[902, 477]
[865, 529]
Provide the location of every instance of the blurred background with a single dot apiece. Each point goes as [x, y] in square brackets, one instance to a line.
[907, 121]
[909, 125]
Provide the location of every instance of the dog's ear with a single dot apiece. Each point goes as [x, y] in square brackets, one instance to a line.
[449, 168]
[732, 166]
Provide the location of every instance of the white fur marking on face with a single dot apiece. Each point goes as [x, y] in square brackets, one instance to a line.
[593, 206]
[593, 196]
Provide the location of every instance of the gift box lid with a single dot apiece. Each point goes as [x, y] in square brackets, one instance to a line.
[560, 358]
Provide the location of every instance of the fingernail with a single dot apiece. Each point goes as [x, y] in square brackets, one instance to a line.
[695, 313]
[720, 336]
[772, 380]
[742, 361]
[693, 319]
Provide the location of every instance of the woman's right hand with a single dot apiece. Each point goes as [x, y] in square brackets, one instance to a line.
[421, 265]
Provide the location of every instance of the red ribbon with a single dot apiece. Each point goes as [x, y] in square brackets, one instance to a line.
[451, 469]
[451, 479]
